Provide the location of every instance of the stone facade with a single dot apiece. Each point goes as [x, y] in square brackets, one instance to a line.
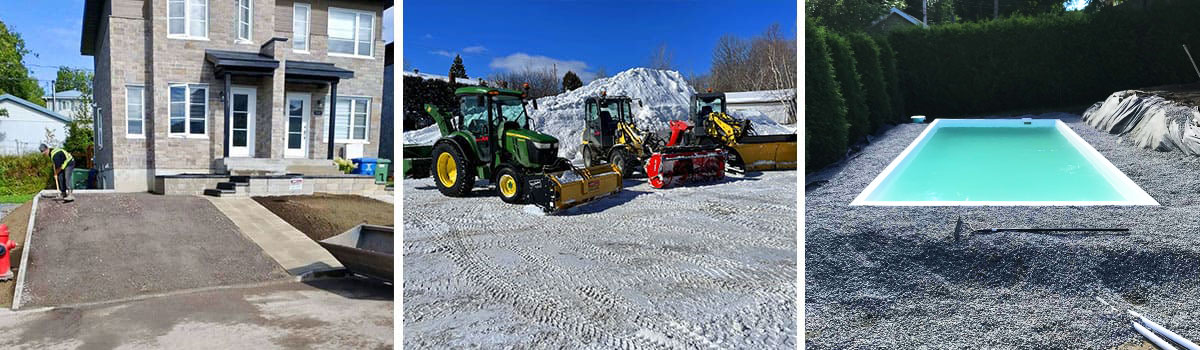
[133, 48]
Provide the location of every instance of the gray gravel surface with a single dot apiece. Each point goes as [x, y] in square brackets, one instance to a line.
[893, 277]
[711, 266]
[107, 246]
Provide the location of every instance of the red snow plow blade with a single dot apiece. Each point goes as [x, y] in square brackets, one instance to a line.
[681, 165]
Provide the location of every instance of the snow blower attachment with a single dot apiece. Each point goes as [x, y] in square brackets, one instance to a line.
[489, 137]
[611, 135]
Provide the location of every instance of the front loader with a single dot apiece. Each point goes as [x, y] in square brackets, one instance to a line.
[747, 150]
[610, 134]
[490, 137]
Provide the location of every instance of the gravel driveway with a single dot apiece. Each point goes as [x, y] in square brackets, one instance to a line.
[703, 266]
[893, 277]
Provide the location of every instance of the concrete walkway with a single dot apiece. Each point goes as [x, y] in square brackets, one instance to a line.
[288, 246]
[6, 208]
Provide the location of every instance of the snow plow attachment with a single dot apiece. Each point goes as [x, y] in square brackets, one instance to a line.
[686, 164]
[558, 191]
[764, 152]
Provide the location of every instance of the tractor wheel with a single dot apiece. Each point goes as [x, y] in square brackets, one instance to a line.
[623, 160]
[587, 156]
[511, 185]
[452, 172]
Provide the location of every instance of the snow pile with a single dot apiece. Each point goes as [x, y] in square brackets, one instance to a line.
[1148, 120]
[665, 96]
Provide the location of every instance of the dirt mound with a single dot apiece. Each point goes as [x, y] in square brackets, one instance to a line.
[323, 215]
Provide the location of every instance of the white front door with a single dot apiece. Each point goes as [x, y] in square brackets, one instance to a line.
[241, 128]
[299, 109]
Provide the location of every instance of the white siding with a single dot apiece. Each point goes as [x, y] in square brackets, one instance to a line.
[25, 128]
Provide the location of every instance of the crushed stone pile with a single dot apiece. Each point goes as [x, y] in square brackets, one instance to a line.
[1148, 120]
[665, 96]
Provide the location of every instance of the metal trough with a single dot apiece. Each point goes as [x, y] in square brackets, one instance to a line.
[365, 250]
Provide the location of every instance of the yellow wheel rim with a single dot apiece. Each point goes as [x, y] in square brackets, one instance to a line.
[447, 170]
[508, 186]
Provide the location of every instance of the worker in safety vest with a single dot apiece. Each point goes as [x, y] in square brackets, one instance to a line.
[64, 165]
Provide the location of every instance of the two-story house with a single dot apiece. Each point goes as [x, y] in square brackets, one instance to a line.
[232, 86]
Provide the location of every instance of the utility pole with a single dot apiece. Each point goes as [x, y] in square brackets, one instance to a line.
[925, 12]
[995, 9]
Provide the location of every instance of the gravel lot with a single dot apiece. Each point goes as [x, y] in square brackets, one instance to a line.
[880, 277]
[705, 266]
[107, 246]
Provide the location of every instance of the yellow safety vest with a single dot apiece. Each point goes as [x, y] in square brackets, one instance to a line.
[65, 153]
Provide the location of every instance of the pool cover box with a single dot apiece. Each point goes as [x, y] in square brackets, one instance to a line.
[1001, 162]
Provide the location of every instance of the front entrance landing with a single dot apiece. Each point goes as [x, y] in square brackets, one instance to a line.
[289, 247]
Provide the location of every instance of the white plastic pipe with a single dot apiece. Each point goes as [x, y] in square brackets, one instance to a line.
[1175, 337]
[1159, 342]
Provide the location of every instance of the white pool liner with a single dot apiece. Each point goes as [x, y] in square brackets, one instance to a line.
[1134, 195]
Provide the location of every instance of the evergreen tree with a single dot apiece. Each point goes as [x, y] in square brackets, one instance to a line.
[571, 81]
[457, 70]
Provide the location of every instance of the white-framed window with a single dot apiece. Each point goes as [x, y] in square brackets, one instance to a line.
[245, 20]
[351, 123]
[351, 32]
[187, 19]
[188, 110]
[135, 111]
[300, 24]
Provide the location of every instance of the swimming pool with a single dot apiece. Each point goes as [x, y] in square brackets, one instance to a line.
[1002, 162]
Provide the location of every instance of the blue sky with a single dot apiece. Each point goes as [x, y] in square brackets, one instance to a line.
[51, 30]
[496, 36]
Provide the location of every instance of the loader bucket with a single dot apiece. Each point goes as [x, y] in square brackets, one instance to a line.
[674, 168]
[767, 152]
[555, 192]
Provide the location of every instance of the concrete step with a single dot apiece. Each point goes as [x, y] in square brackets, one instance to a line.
[241, 180]
[229, 185]
[219, 192]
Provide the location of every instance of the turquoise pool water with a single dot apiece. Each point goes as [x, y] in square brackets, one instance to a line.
[1001, 162]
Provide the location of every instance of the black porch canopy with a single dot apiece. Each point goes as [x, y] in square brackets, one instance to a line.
[240, 63]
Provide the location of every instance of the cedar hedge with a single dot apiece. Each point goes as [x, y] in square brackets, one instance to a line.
[866, 60]
[1045, 61]
[857, 115]
[825, 114]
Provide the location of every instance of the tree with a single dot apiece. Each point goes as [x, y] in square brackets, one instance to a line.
[74, 79]
[825, 126]
[662, 57]
[457, 70]
[849, 15]
[542, 82]
[857, 114]
[14, 77]
[975, 10]
[570, 81]
[730, 64]
[866, 61]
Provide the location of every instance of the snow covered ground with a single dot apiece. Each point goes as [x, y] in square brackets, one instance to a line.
[665, 96]
[710, 266]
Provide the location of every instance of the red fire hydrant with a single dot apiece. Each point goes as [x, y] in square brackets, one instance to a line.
[6, 246]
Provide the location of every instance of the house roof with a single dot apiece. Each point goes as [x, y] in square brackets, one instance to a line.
[34, 106]
[897, 12]
[69, 94]
[93, 9]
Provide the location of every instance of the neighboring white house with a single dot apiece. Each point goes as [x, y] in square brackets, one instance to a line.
[773, 103]
[428, 76]
[64, 102]
[28, 125]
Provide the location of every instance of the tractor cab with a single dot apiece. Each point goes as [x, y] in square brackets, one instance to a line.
[602, 116]
[705, 104]
[484, 113]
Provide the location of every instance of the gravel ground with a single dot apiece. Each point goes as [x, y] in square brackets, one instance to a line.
[893, 277]
[118, 245]
[6, 208]
[704, 266]
[324, 215]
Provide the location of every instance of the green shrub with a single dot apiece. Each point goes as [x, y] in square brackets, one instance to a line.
[825, 110]
[857, 115]
[24, 175]
[866, 61]
[1045, 61]
[891, 77]
[418, 92]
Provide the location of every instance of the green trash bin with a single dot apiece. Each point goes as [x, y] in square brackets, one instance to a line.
[383, 170]
[79, 179]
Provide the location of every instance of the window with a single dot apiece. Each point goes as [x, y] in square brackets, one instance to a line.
[351, 32]
[187, 18]
[135, 111]
[300, 27]
[189, 109]
[474, 114]
[351, 123]
[244, 22]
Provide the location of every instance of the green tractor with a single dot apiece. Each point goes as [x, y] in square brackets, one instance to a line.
[490, 137]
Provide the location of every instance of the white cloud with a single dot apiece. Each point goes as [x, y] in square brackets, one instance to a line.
[474, 49]
[521, 61]
[427, 36]
[443, 53]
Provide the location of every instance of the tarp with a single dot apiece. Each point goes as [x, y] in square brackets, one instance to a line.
[1148, 120]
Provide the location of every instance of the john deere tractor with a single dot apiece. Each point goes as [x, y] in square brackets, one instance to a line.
[490, 138]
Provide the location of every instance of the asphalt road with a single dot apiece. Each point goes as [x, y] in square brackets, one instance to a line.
[323, 314]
